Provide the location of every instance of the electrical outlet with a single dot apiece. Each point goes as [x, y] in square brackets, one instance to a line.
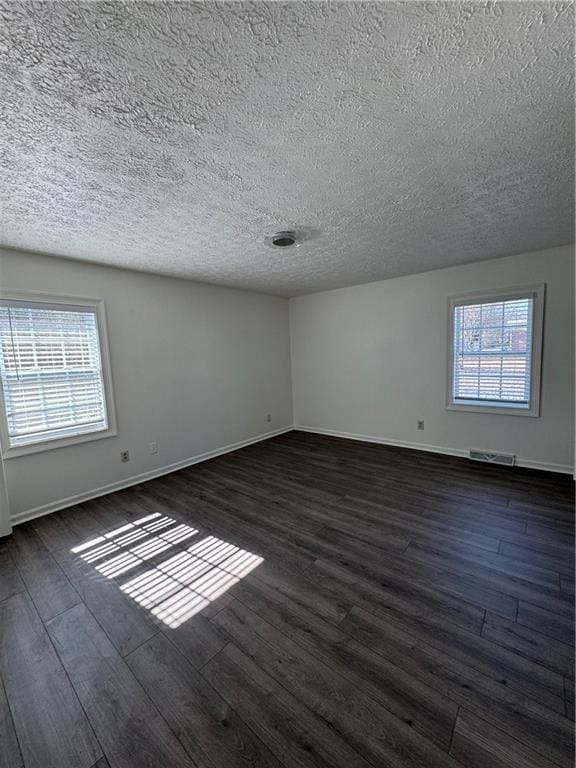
[124, 456]
[420, 424]
[268, 417]
[153, 447]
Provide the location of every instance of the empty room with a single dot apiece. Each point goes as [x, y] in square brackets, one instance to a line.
[287, 362]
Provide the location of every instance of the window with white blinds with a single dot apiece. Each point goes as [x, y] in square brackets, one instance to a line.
[53, 383]
[493, 351]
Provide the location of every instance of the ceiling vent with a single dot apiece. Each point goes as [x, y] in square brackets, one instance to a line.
[284, 239]
[506, 459]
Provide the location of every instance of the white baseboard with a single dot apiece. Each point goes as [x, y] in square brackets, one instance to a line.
[547, 466]
[70, 501]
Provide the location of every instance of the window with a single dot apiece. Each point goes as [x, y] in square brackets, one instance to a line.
[495, 350]
[54, 371]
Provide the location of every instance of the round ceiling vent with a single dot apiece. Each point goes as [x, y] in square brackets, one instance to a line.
[285, 239]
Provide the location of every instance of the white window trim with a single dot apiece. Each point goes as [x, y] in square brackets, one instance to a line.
[537, 293]
[64, 302]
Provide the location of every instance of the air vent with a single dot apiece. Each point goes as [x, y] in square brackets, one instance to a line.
[506, 459]
[284, 239]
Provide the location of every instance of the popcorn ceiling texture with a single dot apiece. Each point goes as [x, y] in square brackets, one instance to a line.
[172, 137]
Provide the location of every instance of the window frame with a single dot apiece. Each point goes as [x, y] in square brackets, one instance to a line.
[63, 303]
[537, 294]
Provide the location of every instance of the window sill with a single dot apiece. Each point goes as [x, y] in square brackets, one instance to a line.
[501, 410]
[50, 445]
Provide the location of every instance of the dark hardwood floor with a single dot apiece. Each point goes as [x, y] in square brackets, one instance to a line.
[306, 601]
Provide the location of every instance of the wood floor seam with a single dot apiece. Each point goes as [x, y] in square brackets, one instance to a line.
[73, 687]
[12, 733]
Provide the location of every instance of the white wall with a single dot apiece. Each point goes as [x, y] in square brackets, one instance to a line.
[371, 360]
[194, 367]
[368, 360]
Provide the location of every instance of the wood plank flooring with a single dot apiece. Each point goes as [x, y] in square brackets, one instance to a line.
[306, 602]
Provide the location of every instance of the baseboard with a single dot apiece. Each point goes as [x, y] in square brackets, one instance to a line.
[547, 466]
[70, 501]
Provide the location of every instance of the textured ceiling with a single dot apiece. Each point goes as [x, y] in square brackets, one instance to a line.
[172, 137]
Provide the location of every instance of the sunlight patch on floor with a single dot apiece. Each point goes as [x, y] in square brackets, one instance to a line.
[180, 586]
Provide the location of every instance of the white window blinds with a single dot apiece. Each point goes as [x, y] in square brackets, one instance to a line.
[51, 371]
[493, 352]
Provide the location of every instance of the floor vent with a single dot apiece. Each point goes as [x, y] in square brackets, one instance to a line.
[507, 459]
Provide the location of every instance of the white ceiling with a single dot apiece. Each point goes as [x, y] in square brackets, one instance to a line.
[172, 137]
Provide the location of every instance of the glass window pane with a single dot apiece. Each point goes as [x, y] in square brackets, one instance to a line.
[492, 351]
[51, 372]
